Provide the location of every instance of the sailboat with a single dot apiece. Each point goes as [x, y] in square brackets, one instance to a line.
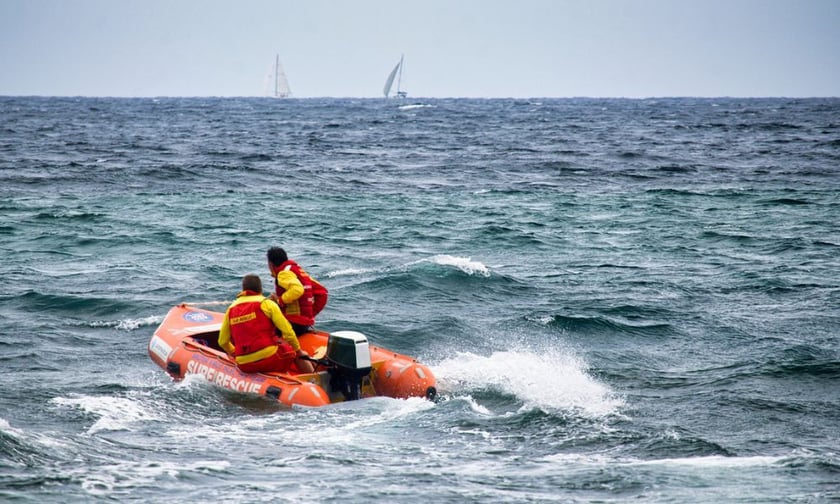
[281, 84]
[395, 73]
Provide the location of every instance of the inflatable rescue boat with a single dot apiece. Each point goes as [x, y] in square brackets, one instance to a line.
[347, 367]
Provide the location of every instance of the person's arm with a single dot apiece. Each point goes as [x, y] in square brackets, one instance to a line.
[224, 334]
[293, 288]
[273, 312]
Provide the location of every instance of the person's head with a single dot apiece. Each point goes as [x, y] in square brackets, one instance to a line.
[252, 283]
[276, 256]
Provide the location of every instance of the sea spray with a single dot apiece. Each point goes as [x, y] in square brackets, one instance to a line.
[552, 381]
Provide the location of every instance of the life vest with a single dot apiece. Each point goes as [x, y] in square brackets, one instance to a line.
[250, 329]
[320, 295]
[299, 311]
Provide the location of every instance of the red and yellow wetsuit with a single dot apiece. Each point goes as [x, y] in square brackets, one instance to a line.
[300, 295]
[248, 333]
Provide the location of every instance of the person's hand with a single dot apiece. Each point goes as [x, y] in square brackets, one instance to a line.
[277, 300]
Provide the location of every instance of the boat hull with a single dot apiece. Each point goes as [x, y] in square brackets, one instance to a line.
[185, 343]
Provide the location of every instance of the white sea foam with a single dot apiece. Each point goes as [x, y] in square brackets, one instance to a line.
[115, 413]
[394, 410]
[349, 272]
[194, 380]
[576, 460]
[415, 106]
[6, 428]
[477, 407]
[343, 424]
[129, 324]
[553, 381]
[713, 461]
[132, 324]
[126, 477]
[47, 441]
[465, 264]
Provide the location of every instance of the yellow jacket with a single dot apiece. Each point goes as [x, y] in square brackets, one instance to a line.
[273, 312]
[293, 288]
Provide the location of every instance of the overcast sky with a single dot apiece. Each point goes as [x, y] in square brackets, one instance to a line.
[453, 48]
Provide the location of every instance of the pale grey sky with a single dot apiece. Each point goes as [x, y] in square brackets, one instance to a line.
[453, 48]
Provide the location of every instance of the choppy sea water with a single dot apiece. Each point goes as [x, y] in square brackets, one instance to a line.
[622, 300]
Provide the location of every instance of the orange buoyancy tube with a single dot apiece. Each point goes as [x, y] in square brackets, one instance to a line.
[250, 329]
[299, 311]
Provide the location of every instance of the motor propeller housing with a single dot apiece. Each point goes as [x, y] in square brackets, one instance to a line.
[348, 355]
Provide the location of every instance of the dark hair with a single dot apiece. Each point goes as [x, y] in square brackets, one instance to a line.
[277, 256]
[252, 283]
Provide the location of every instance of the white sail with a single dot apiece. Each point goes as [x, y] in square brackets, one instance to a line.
[281, 84]
[395, 73]
[390, 81]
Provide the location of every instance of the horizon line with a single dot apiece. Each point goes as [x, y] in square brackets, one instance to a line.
[292, 98]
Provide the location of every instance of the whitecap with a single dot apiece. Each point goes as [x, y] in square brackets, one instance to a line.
[465, 264]
[714, 461]
[474, 405]
[415, 106]
[349, 272]
[6, 428]
[128, 324]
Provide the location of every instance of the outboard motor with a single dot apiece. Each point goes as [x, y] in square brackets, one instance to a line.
[348, 355]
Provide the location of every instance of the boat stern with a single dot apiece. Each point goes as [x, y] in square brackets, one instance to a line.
[403, 378]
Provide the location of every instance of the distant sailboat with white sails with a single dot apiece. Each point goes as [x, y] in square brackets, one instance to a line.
[278, 82]
[389, 82]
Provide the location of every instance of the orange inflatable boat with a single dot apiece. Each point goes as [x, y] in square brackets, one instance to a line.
[347, 368]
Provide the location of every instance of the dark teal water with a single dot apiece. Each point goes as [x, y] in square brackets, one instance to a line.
[621, 299]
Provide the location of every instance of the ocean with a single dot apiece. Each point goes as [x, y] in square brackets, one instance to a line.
[622, 300]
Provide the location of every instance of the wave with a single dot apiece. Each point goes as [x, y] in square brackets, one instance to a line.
[440, 275]
[69, 214]
[351, 272]
[127, 324]
[603, 325]
[415, 106]
[113, 413]
[717, 236]
[784, 201]
[711, 461]
[24, 449]
[675, 441]
[551, 381]
[464, 264]
[121, 479]
[702, 461]
[68, 304]
[800, 361]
